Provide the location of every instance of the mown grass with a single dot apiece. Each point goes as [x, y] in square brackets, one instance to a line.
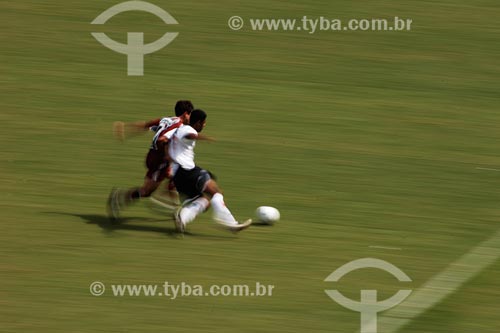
[359, 138]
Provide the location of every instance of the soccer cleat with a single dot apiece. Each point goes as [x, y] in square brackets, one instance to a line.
[237, 227]
[179, 225]
[113, 205]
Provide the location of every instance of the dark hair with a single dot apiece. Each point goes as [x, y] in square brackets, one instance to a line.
[196, 116]
[183, 106]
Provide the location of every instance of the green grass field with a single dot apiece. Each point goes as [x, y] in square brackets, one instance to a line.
[371, 144]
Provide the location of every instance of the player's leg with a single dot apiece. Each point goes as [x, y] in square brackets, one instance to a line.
[157, 171]
[221, 213]
[190, 185]
[198, 184]
[167, 195]
[147, 188]
[172, 193]
[119, 199]
[190, 209]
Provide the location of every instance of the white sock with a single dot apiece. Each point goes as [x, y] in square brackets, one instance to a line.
[195, 208]
[221, 212]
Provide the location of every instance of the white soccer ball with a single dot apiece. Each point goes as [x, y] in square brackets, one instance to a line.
[267, 215]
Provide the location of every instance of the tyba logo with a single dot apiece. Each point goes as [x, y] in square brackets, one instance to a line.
[368, 305]
[135, 49]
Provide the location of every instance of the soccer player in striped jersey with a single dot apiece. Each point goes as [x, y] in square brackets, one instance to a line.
[157, 161]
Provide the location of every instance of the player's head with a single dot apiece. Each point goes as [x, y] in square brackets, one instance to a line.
[198, 119]
[183, 106]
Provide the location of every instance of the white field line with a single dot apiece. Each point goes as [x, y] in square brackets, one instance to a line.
[384, 247]
[442, 285]
[487, 169]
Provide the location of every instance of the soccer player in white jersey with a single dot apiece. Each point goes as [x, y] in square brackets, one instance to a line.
[195, 183]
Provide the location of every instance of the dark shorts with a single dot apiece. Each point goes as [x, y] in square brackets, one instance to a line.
[191, 182]
[157, 166]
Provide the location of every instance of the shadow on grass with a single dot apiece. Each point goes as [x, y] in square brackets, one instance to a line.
[261, 224]
[108, 226]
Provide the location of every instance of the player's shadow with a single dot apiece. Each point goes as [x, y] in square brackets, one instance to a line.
[261, 224]
[108, 226]
[103, 222]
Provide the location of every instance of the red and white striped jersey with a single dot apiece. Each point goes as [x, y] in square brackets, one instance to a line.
[164, 126]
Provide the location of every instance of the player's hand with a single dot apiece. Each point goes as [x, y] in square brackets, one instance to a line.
[123, 131]
[206, 138]
[119, 130]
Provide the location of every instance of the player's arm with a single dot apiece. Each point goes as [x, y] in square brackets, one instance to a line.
[165, 149]
[123, 130]
[151, 123]
[165, 140]
[198, 136]
[139, 126]
[162, 144]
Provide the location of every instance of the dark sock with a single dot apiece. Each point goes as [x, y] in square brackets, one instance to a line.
[135, 194]
[132, 195]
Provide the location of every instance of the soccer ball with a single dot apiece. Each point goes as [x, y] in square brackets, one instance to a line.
[267, 215]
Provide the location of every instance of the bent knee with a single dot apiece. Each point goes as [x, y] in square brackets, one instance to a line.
[211, 187]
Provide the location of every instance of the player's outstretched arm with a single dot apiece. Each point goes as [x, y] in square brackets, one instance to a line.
[193, 136]
[123, 131]
[205, 138]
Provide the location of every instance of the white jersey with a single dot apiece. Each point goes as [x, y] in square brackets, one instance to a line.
[181, 149]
